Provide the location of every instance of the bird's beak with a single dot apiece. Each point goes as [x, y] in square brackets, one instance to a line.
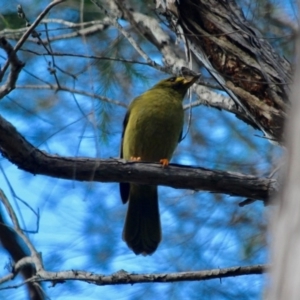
[190, 79]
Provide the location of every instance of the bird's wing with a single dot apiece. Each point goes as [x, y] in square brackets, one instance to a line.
[124, 186]
[123, 132]
[180, 136]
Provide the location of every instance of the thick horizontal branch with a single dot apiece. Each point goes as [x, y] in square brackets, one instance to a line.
[20, 152]
[122, 277]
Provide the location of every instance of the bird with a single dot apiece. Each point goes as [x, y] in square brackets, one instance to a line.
[152, 128]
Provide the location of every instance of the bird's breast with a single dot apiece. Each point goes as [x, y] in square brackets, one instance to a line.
[153, 131]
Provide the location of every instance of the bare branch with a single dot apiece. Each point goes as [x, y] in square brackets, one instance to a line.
[19, 231]
[84, 28]
[18, 251]
[28, 32]
[149, 28]
[126, 34]
[123, 277]
[160, 68]
[80, 32]
[216, 100]
[18, 266]
[15, 148]
[57, 88]
[15, 67]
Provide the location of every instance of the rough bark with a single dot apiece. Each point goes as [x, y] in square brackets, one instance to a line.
[244, 64]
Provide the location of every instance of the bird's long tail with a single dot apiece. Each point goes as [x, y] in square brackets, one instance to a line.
[142, 230]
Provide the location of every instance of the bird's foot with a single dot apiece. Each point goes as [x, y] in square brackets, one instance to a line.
[164, 162]
[134, 158]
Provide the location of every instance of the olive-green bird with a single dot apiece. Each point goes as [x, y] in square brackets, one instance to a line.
[152, 129]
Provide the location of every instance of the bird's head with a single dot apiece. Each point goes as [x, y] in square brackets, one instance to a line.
[179, 83]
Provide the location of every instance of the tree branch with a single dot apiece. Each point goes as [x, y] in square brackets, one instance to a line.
[15, 67]
[27, 33]
[208, 97]
[20, 152]
[123, 277]
[78, 29]
[126, 34]
[57, 88]
[9, 239]
[150, 28]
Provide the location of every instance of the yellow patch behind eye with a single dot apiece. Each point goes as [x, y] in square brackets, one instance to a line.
[179, 79]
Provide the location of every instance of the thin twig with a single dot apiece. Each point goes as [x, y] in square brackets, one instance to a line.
[35, 255]
[28, 32]
[76, 91]
[130, 39]
[15, 64]
[161, 68]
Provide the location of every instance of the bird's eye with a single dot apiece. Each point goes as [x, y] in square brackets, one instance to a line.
[172, 79]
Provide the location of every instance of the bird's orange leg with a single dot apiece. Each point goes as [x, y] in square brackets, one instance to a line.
[164, 162]
[134, 158]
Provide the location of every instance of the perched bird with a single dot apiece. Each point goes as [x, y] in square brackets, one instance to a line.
[151, 130]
